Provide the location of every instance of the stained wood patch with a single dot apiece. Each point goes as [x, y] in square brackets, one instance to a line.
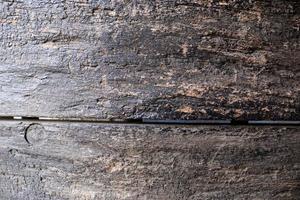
[151, 59]
[93, 161]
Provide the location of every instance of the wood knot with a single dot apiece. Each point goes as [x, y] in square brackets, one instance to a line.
[35, 134]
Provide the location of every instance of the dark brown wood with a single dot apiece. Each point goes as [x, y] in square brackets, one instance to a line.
[110, 161]
[179, 59]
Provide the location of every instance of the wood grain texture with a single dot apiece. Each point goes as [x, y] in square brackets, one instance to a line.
[105, 161]
[192, 59]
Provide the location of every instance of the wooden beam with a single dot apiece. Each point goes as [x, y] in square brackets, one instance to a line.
[111, 161]
[150, 59]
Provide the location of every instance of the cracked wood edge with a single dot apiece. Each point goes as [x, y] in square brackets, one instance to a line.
[150, 59]
[92, 161]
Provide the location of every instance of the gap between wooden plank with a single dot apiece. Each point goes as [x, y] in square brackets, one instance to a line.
[153, 121]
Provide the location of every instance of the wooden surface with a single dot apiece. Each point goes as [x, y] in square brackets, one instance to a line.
[176, 59]
[104, 161]
[133, 59]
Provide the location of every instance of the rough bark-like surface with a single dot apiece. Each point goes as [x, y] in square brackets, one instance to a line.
[154, 59]
[102, 161]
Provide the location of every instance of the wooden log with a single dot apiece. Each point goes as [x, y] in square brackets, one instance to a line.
[109, 161]
[180, 59]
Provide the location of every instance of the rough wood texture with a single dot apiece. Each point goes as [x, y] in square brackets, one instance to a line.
[178, 59]
[102, 161]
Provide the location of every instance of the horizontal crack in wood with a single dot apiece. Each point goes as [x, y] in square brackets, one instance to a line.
[151, 121]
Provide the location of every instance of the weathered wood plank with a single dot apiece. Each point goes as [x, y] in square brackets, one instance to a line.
[192, 59]
[110, 161]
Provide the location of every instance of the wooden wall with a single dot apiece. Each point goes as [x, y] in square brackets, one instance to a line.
[149, 59]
